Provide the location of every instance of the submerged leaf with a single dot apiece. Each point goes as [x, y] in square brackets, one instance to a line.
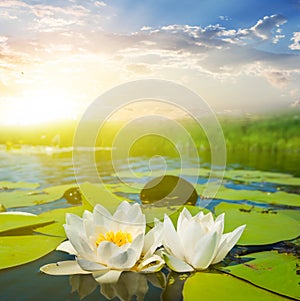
[262, 226]
[270, 270]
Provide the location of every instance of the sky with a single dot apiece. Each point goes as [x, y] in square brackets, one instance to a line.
[56, 57]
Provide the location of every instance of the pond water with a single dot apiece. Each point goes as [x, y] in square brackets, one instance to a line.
[27, 283]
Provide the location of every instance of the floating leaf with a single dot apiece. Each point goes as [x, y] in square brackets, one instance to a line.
[22, 198]
[278, 198]
[263, 226]
[59, 218]
[93, 194]
[261, 176]
[270, 270]
[235, 175]
[4, 185]
[16, 221]
[212, 286]
[17, 250]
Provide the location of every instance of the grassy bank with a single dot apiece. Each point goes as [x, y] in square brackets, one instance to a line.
[275, 132]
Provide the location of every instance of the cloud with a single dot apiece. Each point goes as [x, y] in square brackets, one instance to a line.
[264, 27]
[296, 41]
[139, 68]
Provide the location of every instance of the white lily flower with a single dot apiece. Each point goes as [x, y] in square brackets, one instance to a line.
[106, 244]
[198, 241]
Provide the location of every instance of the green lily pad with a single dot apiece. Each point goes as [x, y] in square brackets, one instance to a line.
[18, 185]
[132, 188]
[157, 173]
[10, 222]
[93, 194]
[235, 175]
[261, 176]
[262, 226]
[17, 250]
[23, 198]
[59, 218]
[276, 198]
[212, 286]
[270, 270]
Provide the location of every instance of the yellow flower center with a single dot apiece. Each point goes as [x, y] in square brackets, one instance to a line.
[119, 238]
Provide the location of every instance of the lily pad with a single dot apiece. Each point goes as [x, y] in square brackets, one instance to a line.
[17, 250]
[276, 198]
[261, 176]
[93, 194]
[263, 227]
[236, 175]
[59, 218]
[270, 270]
[23, 198]
[212, 286]
[4, 185]
[10, 222]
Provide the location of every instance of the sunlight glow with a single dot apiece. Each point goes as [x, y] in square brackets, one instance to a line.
[39, 108]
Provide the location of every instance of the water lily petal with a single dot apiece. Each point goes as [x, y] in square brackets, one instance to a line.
[207, 220]
[75, 222]
[171, 239]
[205, 251]
[87, 265]
[101, 215]
[227, 244]
[176, 264]
[112, 276]
[80, 243]
[220, 218]
[69, 267]
[106, 250]
[151, 265]
[183, 220]
[129, 217]
[127, 256]
[192, 233]
[153, 240]
[123, 260]
[67, 247]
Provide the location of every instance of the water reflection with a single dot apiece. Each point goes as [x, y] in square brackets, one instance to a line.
[129, 286]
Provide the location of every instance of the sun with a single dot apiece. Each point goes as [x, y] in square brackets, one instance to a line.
[39, 108]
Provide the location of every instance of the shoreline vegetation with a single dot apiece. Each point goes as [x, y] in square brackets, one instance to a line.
[269, 133]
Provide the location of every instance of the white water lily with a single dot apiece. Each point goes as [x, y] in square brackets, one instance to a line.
[105, 245]
[198, 241]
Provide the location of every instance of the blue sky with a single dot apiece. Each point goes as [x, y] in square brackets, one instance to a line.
[240, 56]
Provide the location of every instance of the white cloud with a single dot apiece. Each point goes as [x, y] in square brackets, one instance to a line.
[264, 27]
[100, 4]
[296, 41]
